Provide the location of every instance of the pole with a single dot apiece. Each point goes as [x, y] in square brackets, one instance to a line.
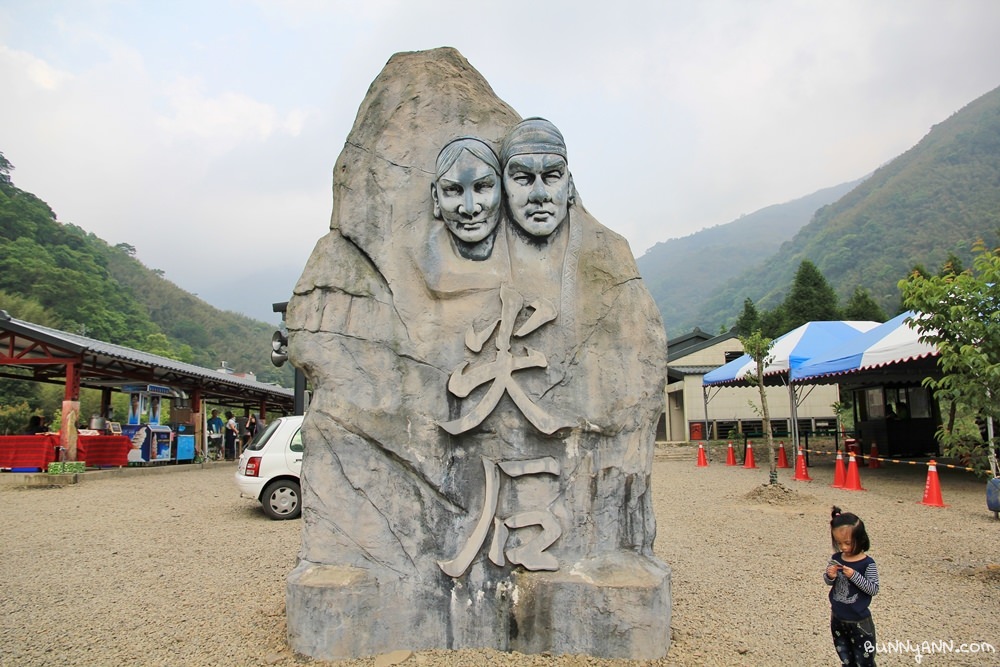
[795, 416]
[989, 447]
[299, 407]
[704, 396]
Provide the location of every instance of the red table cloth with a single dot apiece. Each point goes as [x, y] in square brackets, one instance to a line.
[28, 451]
[35, 452]
[103, 450]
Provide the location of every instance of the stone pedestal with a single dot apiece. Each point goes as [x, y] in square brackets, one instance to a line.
[613, 607]
[338, 612]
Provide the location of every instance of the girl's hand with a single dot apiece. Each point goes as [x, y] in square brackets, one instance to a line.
[848, 571]
[831, 571]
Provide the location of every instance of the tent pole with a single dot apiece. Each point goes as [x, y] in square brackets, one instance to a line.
[990, 447]
[795, 417]
[704, 396]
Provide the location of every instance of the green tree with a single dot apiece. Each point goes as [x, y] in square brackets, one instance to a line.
[811, 298]
[952, 266]
[14, 391]
[159, 344]
[14, 418]
[772, 322]
[27, 309]
[862, 306]
[5, 168]
[960, 315]
[758, 347]
[749, 319]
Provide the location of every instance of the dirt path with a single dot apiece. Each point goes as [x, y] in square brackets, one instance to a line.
[176, 569]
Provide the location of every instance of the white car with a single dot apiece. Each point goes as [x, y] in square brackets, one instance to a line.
[269, 468]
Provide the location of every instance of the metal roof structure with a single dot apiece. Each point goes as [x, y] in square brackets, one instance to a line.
[692, 370]
[41, 355]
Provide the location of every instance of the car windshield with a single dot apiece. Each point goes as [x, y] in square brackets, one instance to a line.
[261, 438]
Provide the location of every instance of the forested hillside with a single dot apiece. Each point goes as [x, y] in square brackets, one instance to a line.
[59, 275]
[682, 273]
[931, 202]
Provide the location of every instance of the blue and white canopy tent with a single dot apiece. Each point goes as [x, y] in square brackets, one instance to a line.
[789, 351]
[878, 351]
[888, 365]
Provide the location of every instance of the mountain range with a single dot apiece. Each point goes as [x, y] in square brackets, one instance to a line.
[929, 203]
[682, 273]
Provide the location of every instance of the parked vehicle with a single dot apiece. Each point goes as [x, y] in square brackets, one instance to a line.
[269, 468]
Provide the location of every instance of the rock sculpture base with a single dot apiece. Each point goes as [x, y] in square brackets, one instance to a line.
[616, 607]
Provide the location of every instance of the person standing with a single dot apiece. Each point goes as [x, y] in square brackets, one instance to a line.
[232, 436]
[852, 577]
[215, 426]
[250, 429]
[36, 425]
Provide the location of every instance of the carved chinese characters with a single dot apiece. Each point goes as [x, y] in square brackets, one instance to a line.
[530, 554]
[500, 371]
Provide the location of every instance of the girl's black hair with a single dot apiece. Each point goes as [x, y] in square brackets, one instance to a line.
[859, 536]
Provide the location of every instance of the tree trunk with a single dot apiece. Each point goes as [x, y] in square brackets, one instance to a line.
[773, 474]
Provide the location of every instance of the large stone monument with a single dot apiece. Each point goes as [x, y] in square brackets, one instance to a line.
[487, 370]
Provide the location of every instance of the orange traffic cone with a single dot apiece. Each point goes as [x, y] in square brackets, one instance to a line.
[801, 472]
[873, 457]
[853, 480]
[839, 475]
[730, 455]
[932, 489]
[782, 457]
[702, 459]
[748, 461]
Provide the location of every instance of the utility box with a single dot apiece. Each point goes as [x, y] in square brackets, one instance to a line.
[184, 442]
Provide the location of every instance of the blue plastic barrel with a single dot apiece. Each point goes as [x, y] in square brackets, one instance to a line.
[993, 494]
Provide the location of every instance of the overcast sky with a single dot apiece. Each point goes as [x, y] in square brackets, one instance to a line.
[204, 132]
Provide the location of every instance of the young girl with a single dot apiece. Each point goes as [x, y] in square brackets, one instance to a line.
[853, 577]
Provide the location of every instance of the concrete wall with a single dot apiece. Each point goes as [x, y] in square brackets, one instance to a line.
[685, 399]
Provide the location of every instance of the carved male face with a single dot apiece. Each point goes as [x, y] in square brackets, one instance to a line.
[467, 198]
[538, 187]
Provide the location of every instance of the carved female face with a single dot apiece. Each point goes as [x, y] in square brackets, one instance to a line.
[538, 187]
[467, 198]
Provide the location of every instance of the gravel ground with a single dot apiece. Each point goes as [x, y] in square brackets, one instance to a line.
[174, 568]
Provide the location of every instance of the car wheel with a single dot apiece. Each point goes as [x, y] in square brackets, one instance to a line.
[282, 499]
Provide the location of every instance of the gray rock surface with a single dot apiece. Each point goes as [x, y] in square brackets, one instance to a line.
[511, 534]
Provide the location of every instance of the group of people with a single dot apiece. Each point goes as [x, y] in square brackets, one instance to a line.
[227, 438]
